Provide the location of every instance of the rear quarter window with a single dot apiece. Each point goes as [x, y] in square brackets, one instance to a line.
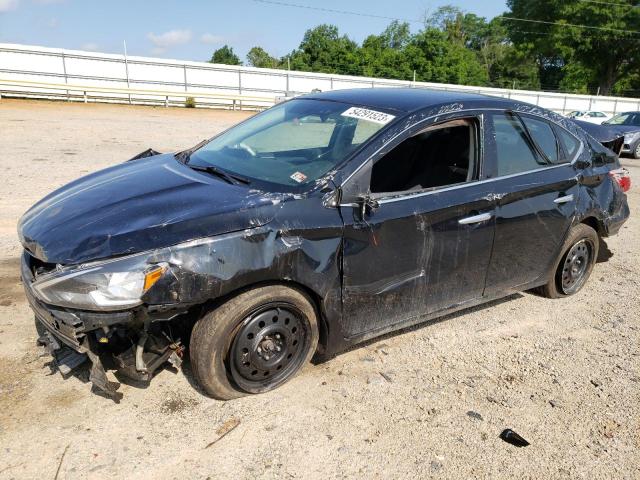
[514, 153]
[570, 143]
[542, 134]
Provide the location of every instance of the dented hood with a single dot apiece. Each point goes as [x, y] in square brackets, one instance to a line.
[135, 206]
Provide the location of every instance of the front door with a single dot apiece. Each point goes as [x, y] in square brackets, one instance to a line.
[428, 243]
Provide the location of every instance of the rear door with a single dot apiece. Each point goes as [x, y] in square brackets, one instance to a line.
[536, 190]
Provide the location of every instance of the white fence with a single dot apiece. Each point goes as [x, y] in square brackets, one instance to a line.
[76, 75]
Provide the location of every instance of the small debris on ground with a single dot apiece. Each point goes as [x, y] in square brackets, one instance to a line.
[224, 429]
[474, 415]
[513, 438]
[375, 380]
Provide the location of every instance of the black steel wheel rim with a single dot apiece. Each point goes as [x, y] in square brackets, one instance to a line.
[270, 344]
[576, 266]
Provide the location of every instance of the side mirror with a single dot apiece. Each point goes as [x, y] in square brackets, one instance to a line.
[366, 205]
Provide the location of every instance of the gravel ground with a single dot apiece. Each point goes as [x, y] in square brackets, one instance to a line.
[430, 401]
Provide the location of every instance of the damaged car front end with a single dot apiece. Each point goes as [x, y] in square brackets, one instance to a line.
[94, 311]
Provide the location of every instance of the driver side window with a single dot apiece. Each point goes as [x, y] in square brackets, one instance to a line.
[440, 155]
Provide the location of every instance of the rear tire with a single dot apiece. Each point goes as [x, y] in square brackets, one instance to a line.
[574, 266]
[636, 152]
[254, 342]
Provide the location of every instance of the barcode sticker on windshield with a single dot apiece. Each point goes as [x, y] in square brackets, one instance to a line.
[298, 177]
[371, 115]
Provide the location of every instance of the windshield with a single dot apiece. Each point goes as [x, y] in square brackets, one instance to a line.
[293, 143]
[628, 118]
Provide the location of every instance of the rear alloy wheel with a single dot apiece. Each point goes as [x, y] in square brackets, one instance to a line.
[574, 266]
[254, 342]
[636, 152]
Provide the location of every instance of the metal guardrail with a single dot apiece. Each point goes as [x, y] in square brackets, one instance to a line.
[84, 92]
[24, 63]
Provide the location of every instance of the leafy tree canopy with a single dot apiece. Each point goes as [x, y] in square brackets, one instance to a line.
[226, 56]
[548, 52]
[258, 57]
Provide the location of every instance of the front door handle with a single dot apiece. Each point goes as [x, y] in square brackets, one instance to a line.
[483, 217]
[564, 199]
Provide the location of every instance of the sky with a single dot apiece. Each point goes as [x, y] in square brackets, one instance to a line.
[193, 29]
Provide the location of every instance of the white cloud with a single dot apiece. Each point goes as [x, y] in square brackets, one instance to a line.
[210, 38]
[169, 39]
[7, 5]
[91, 47]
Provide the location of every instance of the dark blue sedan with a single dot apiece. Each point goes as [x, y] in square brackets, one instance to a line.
[322, 222]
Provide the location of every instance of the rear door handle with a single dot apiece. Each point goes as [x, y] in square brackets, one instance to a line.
[565, 199]
[483, 217]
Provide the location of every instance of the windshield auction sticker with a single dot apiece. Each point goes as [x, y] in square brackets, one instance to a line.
[298, 177]
[370, 115]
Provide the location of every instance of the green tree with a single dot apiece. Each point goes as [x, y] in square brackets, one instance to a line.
[258, 57]
[226, 56]
[504, 63]
[323, 50]
[385, 55]
[437, 59]
[608, 55]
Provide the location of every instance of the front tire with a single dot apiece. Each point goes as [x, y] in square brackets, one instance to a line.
[636, 152]
[254, 342]
[573, 268]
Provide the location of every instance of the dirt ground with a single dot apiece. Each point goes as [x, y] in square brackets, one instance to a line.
[428, 402]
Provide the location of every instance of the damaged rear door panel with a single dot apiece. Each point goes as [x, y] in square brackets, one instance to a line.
[536, 202]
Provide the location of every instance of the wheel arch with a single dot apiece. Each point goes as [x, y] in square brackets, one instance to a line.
[594, 223]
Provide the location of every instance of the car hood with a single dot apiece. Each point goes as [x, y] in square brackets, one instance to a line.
[135, 206]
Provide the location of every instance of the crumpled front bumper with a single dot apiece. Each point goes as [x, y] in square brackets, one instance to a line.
[69, 326]
[72, 337]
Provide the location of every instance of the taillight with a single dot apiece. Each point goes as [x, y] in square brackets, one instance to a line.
[622, 177]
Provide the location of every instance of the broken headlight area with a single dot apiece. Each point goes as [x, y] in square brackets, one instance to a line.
[135, 351]
[131, 313]
[98, 312]
[111, 285]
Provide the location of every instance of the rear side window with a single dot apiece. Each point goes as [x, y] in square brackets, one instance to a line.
[514, 152]
[569, 143]
[543, 135]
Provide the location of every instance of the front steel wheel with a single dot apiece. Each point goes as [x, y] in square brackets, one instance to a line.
[254, 342]
[270, 344]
